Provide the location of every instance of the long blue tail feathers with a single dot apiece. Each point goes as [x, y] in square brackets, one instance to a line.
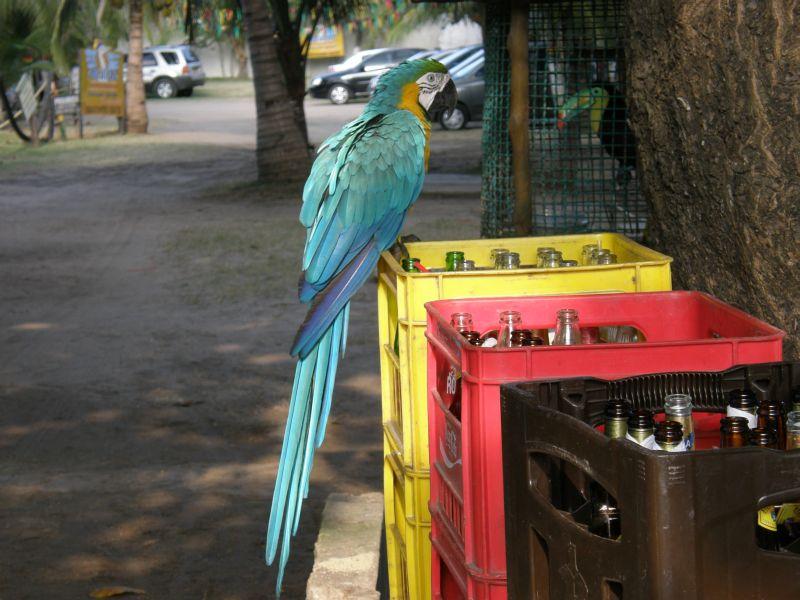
[309, 408]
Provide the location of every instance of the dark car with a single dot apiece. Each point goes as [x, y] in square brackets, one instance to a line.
[351, 78]
[470, 87]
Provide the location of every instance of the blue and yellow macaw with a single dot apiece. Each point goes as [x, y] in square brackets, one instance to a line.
[362, 183]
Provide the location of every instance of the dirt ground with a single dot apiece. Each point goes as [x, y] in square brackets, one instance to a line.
[147, 301]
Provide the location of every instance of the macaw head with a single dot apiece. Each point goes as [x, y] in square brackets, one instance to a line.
[593, 99]
[422, 87]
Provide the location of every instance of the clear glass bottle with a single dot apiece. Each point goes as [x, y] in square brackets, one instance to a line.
[510, 320]
[587, 252]
[607, 259]
[469, 265]
[551, 260]
[568, 331]
[494, 253]
[569, 263]
[507, 261]
[793, 430]
[678, 408]
[462, 322]
[541, 251]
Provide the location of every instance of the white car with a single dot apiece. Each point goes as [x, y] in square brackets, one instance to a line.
[171, 71]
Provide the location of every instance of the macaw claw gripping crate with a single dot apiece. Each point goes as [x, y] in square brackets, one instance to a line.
[687, 331]
[687, 519]
[403, 352]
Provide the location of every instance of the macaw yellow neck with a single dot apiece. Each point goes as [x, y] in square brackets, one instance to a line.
[409, 100]
[596, 112]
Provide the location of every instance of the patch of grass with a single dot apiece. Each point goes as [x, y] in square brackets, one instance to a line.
[219, 87]
[100, 151]
[232, 262]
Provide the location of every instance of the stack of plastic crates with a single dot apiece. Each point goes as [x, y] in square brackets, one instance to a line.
[403, 354]
[687, 331]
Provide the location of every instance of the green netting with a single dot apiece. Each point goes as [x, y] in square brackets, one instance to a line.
[583, 171]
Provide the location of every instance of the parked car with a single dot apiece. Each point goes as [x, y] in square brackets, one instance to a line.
[351, 78]
[171, 71]
[470, 87]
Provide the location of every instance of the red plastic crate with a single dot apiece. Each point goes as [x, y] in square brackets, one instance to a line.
[685, 331]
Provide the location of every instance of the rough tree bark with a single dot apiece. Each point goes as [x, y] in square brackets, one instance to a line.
[714, 100]
[282, 151]
[135, 109]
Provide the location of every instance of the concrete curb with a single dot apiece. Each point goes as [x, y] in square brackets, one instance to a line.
[445, 185]
[347, 552]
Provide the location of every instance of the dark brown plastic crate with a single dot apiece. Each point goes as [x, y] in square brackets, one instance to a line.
[687, 519]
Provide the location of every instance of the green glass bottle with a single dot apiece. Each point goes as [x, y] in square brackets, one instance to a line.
[454, 261]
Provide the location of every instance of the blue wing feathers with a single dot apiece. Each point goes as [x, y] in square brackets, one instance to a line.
[362, 182]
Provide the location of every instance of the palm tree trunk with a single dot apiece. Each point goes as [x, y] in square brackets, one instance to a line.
[282, 151]
[136, 111]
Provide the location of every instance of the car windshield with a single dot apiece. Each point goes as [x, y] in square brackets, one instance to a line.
[459, 55]
[466, 67]
[189, 55]
[356, 59]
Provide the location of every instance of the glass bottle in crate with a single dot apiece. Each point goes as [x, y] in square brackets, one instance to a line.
[743, 403]
[410, 265]
[640, 427]
[507, 261]
[551, 260]
[510, 320]
[568, 331]
[669, 436]
[770, 416]
[733, 432]
[678, 407]
[793, 430]
[493, 254]
[462, 322]
[763, 438]
[454, 261]
[795, 399]
[616, 414]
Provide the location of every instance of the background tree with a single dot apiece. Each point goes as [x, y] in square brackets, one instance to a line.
[135, 109]
[221, 22]
[713, 99]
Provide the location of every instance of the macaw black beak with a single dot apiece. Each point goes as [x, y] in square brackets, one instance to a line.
[446, 99]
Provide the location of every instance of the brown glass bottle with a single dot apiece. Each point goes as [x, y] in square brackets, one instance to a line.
[743, 403]
[763, 437]
[473, 337]
[733, 432]
[616, 415]
[640, 425]
[521, 337]
[770, 416]
[669, 435]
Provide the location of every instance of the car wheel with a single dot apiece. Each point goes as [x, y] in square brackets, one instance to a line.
[185, 93]
[339, 94]
[455, 119]
[165, 88]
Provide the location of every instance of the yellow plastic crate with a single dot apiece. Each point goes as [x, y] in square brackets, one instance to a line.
[408, 546]
[401, 310]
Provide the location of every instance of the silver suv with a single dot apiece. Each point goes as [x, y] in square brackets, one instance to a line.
[171, 71]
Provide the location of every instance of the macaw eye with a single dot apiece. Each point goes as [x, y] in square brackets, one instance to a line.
[431, 77]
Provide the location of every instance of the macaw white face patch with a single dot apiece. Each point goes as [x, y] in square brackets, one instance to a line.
[431, 84]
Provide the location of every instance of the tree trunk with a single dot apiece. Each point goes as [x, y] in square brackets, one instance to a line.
[282, 150]
[713, 98]
[136, 111]
[240, 54]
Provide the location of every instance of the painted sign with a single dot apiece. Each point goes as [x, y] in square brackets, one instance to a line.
[26, 95]
[328, 42]
[102, 88]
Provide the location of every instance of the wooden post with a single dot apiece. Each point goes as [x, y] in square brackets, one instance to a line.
[519, 111]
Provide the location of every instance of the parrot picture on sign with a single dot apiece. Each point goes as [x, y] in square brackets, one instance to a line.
[362, 183]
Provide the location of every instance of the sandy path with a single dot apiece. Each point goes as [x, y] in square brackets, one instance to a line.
[146, 305]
